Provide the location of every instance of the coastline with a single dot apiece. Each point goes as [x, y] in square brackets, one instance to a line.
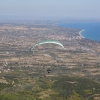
[81, 34]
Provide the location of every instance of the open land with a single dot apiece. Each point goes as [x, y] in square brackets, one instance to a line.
[21, 67]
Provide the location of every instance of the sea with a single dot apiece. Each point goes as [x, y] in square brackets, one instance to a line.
[91, 30]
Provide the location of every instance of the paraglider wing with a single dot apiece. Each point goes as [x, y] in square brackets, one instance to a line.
[45, 42]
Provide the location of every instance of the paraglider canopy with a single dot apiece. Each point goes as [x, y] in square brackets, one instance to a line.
[47, 41]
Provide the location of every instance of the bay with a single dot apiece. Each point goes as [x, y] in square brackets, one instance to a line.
[91, 30]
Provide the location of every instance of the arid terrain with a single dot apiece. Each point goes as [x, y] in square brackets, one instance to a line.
[79, 57]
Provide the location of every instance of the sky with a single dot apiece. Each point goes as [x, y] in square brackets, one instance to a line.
[50, 9]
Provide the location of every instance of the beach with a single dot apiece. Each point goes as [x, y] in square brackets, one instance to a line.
[81, 34]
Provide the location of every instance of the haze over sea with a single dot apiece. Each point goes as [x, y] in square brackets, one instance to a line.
[91, 30]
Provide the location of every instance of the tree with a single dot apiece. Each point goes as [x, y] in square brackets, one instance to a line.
[75, 96]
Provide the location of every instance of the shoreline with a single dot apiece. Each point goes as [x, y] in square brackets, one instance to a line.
[81, 34]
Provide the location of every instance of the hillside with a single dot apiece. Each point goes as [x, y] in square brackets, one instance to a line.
[49, 71]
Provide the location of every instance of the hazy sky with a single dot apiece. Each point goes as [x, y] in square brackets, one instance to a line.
[51, 8]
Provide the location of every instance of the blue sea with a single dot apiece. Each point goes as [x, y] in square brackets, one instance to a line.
[91, 30]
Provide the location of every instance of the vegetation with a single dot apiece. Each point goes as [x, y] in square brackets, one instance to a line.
[51, 88]
[42, 74]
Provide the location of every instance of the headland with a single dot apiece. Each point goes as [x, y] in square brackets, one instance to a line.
[81, 34]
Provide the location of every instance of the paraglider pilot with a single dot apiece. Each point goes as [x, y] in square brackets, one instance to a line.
[48, 70]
